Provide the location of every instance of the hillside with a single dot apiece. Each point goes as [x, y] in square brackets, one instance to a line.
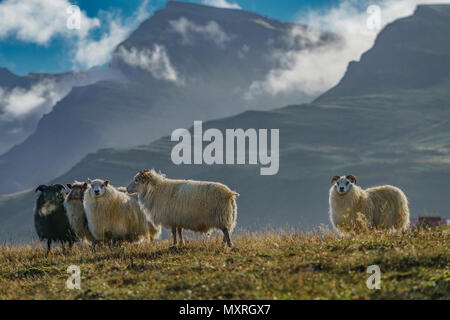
[186, 62]
[270, 265]
[25, 99]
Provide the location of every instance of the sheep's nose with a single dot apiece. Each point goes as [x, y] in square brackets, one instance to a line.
[341, 189]
[96, 192]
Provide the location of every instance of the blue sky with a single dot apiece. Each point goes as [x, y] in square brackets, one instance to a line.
[23, 54]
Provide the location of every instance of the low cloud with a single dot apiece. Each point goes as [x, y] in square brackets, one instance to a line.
[38, 99]
[222, 4]
[155, 61]
[211, 31]
[320, 66]
[92, 52]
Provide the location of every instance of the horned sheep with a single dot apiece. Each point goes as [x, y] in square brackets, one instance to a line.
[351, 207]
[113, 215]
[50, 218]
[199, 206]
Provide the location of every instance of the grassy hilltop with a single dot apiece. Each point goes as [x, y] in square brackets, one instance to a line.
[269, 265]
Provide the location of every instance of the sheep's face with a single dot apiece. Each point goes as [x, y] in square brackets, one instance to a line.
[343, 184]
[143, 180]
[54, 193]
[133, 187]
[76, 191]
[98, 187]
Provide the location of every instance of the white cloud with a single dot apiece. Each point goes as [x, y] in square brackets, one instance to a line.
[39, 21]
[211, 31]
[242, 52]
[91, 52]
[222, 4]
[155, 61]
[314, 70]
[39, 99]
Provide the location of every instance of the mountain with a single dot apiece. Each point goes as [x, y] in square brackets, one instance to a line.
[7, 78]
[25, 99]
[397, 134]
[421, 40]
[187, 62]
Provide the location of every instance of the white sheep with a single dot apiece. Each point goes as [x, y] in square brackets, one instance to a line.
[113, 215]
[383, 207]
[75, 210]
[198, 206]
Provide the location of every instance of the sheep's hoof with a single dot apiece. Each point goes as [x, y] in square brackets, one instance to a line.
[234, 249]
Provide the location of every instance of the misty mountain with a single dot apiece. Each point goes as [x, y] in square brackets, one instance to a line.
[395, 135]
[25, 99]
[187, 62]
[413, 53]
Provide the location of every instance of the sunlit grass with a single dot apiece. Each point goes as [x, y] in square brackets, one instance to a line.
[273, 264]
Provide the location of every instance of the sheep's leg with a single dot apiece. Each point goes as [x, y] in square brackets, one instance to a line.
[49, 246]
[226, 237]
[180, 235]
[174, 234]
[63, 245]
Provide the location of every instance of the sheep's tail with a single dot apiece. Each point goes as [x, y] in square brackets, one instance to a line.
[233, 212]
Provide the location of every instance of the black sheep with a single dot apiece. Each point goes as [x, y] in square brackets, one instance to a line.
[50, 219]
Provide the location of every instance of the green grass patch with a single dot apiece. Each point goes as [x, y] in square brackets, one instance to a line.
[268, 265]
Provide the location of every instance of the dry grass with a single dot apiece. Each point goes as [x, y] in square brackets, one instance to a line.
[268, 265]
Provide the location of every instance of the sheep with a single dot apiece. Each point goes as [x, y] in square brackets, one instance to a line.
[383, 207]
[199, 206]
[50, 219]
[75, 211]
[113, 215]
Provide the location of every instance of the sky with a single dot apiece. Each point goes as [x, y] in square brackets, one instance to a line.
[35, 34]
[110, 22]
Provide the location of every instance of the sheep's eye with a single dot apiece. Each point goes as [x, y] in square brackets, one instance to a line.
[347, 183]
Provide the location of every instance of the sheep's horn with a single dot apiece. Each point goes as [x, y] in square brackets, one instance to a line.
[41, 188]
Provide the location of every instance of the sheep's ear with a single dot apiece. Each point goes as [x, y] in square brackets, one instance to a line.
[352, 179]
[89, 180]
[69, 185]
[41, 188]
[153, 176]
[60, 187]
[106, 183]
[335, 178]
